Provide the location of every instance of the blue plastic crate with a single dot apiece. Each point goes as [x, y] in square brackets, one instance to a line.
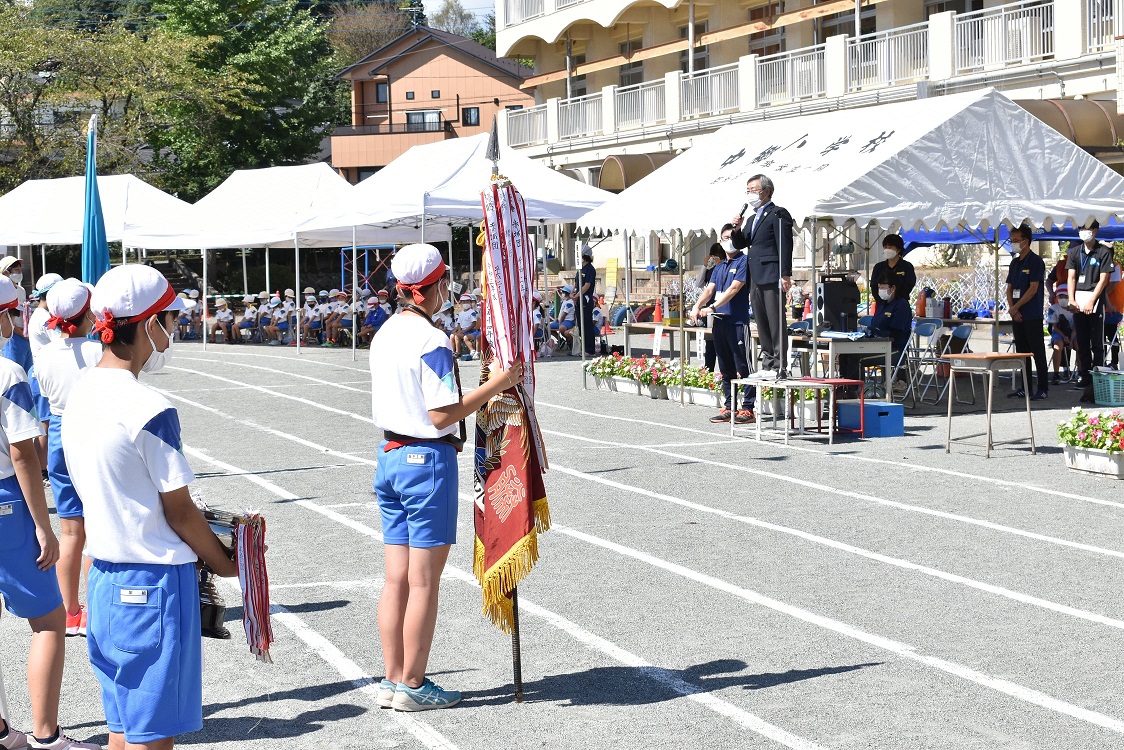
[883, 419]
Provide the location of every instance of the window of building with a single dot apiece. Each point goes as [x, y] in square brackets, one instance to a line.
[766, 42]
[702, 54]
[513, 107]
[423, 121]
[631, 72]
[932, 7]
[470, 116]
[410, 95]
[577, 83]
[435, 94]
[382, 93]
[844, 23]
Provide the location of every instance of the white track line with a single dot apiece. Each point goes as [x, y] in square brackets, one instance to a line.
[689, 691]
[366, 583]
[837, 454]
[851, 549]
[292, 359]
[273, 370]
[906, 651]
[855, 495]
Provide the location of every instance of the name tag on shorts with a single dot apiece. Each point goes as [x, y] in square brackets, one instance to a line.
[7, 510]
[134, 596]
[418, 459]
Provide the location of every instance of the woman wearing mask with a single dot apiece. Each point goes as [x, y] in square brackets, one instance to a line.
[895, 267]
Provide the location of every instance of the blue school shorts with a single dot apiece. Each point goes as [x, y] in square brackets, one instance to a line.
[416, 488]
[345, 323]
[282, 326]
[565, 326]
[67, 503]
[246, 324]
[145, 647]
[314, 324]
[28, 592]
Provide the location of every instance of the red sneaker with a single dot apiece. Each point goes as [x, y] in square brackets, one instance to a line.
[722, 416]
[744, 416]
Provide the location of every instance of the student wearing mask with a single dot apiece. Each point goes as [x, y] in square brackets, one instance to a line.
[249, 320]
[1089, 265]
[894, 266]
[224, 320]
[1059, 318]
[567, 315]
[1026, 278]
[729, 311]
[310, 318]
[38, 336]
[18, 348]
[122, 444]
[467, 331]
[416, 477]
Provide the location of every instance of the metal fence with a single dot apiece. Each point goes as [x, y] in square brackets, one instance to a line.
[973, 290]
[789, 76]
[580, 116]
[1100, 29]
[640, 105]
[526, 126]
[709, 92]
[888, 58]
[518, 11]
[1007, 34]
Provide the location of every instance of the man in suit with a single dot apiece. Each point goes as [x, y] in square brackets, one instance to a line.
[767, 238]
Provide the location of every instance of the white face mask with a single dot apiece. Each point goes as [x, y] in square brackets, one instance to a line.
[889, 253]
[1063, 301]
[157, 360]
[728, 246]
[1086, 235]
[884, 293]
[17, 278]
[754, 199]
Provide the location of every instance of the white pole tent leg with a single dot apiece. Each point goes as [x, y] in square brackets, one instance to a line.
[354, 295]
[297, 283]
[203, 297]
[3, 699]
[268, 286]
[43, 258]
[245, 276]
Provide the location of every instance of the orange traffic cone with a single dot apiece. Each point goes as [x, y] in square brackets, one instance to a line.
[807, 308]
[657, 315]
[606, 329]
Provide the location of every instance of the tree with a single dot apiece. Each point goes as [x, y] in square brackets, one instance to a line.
[89, 15]
[454, 18]
[414, 10]
[356, 28]
[486, 35]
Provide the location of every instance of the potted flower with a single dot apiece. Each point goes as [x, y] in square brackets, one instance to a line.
[603, 369]
[1094, 442]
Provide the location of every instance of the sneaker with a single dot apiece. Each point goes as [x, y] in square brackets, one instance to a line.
[425, 698]
[1020, 393]
[1039, 396]
[76, 623]
[765, 374]
[744, 416]
[900, 388]
[13, 739]
[385, 698]
[61, 742]
[1066, 377]
[722, 416]
[1056, 380]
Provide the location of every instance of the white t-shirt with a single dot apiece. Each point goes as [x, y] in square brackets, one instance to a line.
[466, 318]
[566, 313]
[121, 440]
[598, 318]
[310, 312]
[38, 333]
[324, 310]
[59, 365]
[17, 416]
[411, 373]
[250, 314]
[445, 321]
[344, 309]
[224, 315]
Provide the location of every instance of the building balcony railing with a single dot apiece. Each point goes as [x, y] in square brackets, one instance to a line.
[440, 126]
[996, 37]
[641, 105]
[946, 49]
[580, 116]
[888, 58]
[526, 127]
[713, 91]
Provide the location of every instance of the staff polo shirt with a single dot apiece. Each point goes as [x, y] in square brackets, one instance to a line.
[411, 373]
[1020, 275]
[735, 268]
[17, 415]
[121, 441]
[1089, 267]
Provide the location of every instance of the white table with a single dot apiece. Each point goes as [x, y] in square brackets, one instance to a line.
[836, 347]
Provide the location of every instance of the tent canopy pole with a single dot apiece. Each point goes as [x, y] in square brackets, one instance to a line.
[354, 295]
[203, 296]
[297, 284]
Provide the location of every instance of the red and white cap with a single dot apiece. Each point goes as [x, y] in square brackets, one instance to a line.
[66, 300]
[9, 298]
[130, 293]
[382, 293]
[416, 267]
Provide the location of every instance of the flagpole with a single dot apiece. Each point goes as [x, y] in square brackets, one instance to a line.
[516, 656]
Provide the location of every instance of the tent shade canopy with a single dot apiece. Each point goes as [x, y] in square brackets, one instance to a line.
[1111, 231]
[442, 182]
[974, 159]
[50, 212]
[263, 208]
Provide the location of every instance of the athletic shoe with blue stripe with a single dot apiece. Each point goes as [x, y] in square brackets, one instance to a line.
[425, 698]
[385, 698]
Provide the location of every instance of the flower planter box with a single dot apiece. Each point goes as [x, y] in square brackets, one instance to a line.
[605, 383]
[624, 385]
[1095, 461]
[656, 390]
[705, 397]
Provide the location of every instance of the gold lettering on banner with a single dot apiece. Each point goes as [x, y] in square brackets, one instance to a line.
[507, 493]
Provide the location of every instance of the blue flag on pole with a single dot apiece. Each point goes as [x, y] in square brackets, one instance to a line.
[95, 249]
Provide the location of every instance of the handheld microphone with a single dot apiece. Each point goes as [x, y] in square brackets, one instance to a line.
[745, 207]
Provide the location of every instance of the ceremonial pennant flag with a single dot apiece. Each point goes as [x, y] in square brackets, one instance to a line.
[509, 461]
[95, 249]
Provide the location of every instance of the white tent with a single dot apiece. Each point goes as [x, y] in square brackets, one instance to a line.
[50, 212]
[969, 160]
[440, 183]
[264, 208]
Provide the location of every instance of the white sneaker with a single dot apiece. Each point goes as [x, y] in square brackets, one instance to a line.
[764, 375]
[14, 739]
[425, 698]
[385, 698]
[61, 743]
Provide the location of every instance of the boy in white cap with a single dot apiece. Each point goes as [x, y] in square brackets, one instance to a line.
[567, 317]
[194, 313]
[18, 348]
[38, 336]
[29, 552]
[224, 320]
[122, 445]
[59, 364]
[418, 405]
[468, 327]
[249, 320]
[272, 320]
[310, 318]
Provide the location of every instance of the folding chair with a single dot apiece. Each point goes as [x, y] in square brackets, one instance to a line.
[961, 334]
[920, 353]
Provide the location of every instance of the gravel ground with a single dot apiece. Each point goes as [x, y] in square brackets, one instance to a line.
[696, 590]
